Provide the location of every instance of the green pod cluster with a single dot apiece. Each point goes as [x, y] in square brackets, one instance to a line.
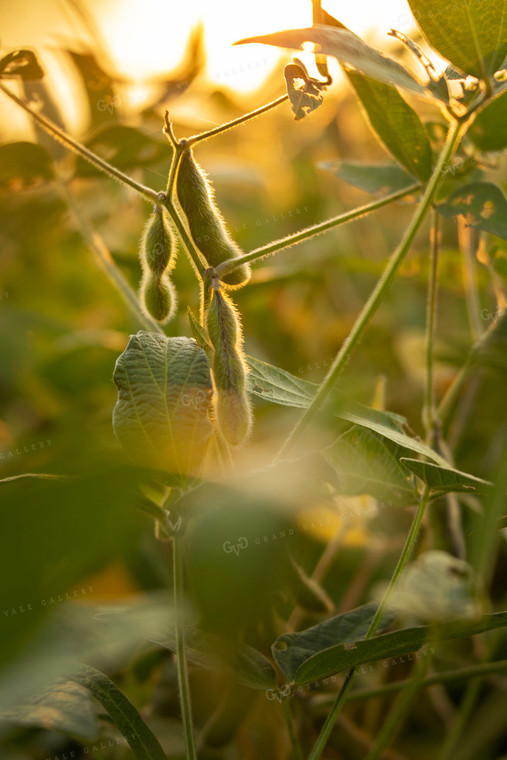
[158, 257]
[206, 224]
[233, 411]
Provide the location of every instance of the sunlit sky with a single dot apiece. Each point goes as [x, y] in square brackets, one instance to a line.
[147, 38]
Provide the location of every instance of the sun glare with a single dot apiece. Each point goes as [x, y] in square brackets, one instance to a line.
[144, 43]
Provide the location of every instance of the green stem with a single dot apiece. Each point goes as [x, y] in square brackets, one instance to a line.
[296, 748]
[446, 406]
[448, 676]
[375, 623]
[235, 122]
[310, 232]
[179, 148]
[398, 712]
[380, 289]
[429, 415]
[69, 142]
[106, 261]
[181, 656]
[465, 710]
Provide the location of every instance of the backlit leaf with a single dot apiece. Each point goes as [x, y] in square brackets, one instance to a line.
[472, 34]
[161, 416]
[482, 204]
[348, 48]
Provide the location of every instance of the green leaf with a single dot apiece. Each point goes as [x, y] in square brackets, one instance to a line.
[280, 387]
[489, 129]
[305, 93]
[367, 464]
[472, 34]
[164, 396]
[142, 740]
[65, 707]
[437, 587]
[378, 179]
[20, 63]
[346, 655]
[348, 48]
[482, 204]
[395, 123]
[126, 148]
[249, 666]
[443, 480]
[291, 650]
[87, 520]
[23, 164]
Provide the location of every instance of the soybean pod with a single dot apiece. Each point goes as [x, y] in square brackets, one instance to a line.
[205, 222]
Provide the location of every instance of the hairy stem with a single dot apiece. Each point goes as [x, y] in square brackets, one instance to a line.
[297, 754]
[310, 232]
[235, 122]
[69, 142]
[429, 412]
[379, 291]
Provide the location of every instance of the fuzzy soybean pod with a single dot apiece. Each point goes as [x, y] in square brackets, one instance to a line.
[205, 222]
[233, 411]
[157, 254]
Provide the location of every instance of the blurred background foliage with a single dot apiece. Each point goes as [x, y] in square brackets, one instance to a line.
[62, 326]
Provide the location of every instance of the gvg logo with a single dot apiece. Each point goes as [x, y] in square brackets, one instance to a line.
[236, 548]
[278, 694]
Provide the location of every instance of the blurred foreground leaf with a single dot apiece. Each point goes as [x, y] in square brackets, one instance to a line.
[64, 706]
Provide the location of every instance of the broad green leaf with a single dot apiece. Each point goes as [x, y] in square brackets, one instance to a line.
[70, 514]
[445, 479]
[23, 164]
[366, 464]
[20, 63]
[489, 129]
[280, 387]
[125, 147]
[65, 707]
[482, 204]
[472, 34]
[78, 633]
[435, 588]
[142, 740]
[378, 179]
[395, 123]
[305, 93]
[348, 48]
[164, 397]
[346, 655]
[291, 650]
